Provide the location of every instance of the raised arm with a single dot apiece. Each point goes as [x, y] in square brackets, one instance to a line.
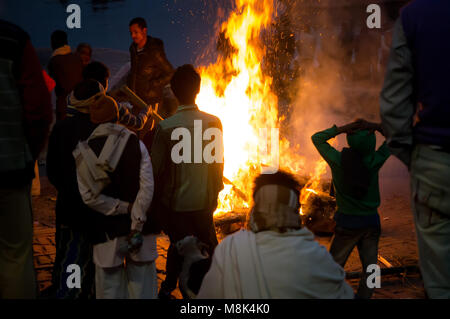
[328, 152]
[130, 120]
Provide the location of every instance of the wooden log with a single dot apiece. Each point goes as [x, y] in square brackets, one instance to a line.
[318, 213]
[135, 100]
[386, 271]
[230, 222]
[384, 261]
[240, 193]
[230, 218]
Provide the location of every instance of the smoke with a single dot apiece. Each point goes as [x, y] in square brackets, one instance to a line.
[341, 66]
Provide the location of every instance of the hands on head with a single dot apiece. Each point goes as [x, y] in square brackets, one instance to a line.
[360, 124]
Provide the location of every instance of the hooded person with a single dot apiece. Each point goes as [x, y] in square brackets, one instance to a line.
[115, 179]
[246, 265]
[355, 181]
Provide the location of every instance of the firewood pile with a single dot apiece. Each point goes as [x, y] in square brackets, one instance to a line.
[230, 222]
[317, 214]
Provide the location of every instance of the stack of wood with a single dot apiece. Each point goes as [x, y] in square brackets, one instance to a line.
[230, 222]
[318, 213]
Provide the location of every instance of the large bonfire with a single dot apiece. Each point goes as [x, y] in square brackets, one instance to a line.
[236, 90]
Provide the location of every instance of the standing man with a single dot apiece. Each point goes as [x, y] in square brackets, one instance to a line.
[150, 70]
[25, 118]
[415, 112]
[65, 68]
[84, 51]
[186, 190]
[73, 218]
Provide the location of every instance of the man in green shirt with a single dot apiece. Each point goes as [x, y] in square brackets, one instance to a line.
[355, 180]
[187, 179]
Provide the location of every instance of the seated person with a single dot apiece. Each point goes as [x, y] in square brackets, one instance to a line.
[276, 257]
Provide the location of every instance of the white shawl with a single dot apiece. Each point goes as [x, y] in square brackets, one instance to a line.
[269, 264]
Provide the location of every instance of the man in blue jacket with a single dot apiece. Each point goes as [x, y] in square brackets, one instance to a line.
[415, 112]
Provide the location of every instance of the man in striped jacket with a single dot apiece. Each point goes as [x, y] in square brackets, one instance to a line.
[25, 118]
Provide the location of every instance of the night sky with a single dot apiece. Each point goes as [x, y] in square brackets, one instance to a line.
[187, 27]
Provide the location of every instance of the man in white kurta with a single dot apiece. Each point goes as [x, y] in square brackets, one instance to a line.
[276, 258]
[138, 280]
[116, 279]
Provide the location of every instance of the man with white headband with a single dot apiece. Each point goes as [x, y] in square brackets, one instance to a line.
[247, 264]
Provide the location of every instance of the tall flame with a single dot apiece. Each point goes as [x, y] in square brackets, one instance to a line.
[236, 90]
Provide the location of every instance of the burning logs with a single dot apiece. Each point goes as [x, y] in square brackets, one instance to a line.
[318, 213]
[230, 222]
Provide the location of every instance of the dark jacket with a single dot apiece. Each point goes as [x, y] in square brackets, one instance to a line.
[61, 171]
[25, 107]
[426, 25]
[415, 100]
[150, 70]
[124, 186]
[66, 70]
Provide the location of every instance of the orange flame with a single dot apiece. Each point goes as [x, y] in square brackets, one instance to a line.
[236, 90]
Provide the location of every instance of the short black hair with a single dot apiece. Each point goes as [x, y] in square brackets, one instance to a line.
[185, 83]
[83, 45]
[58, 39]
[97, 71]
[85, 89]
[139, 21]
[279, 178]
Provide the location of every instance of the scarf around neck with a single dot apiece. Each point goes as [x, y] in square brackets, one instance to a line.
[65, 49]
[83, 105]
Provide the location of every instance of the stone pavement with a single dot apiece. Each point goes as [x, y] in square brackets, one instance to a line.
[397, 245]
[44, 256]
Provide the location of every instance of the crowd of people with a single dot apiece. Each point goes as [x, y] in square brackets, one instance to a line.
[110, 159]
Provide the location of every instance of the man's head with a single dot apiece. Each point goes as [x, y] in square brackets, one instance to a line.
[185, 84]
[138, 31]
[84, 50]
[87, 89]
[104, 110]
[363, 141]
[97, 71]
[276, 203]
[58, 39]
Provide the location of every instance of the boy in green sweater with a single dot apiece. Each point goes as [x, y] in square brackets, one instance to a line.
[355, 180]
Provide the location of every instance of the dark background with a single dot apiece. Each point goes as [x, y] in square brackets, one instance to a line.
[185, 26]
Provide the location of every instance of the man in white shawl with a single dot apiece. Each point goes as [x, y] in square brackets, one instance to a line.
[276, 258]
[114, 278]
